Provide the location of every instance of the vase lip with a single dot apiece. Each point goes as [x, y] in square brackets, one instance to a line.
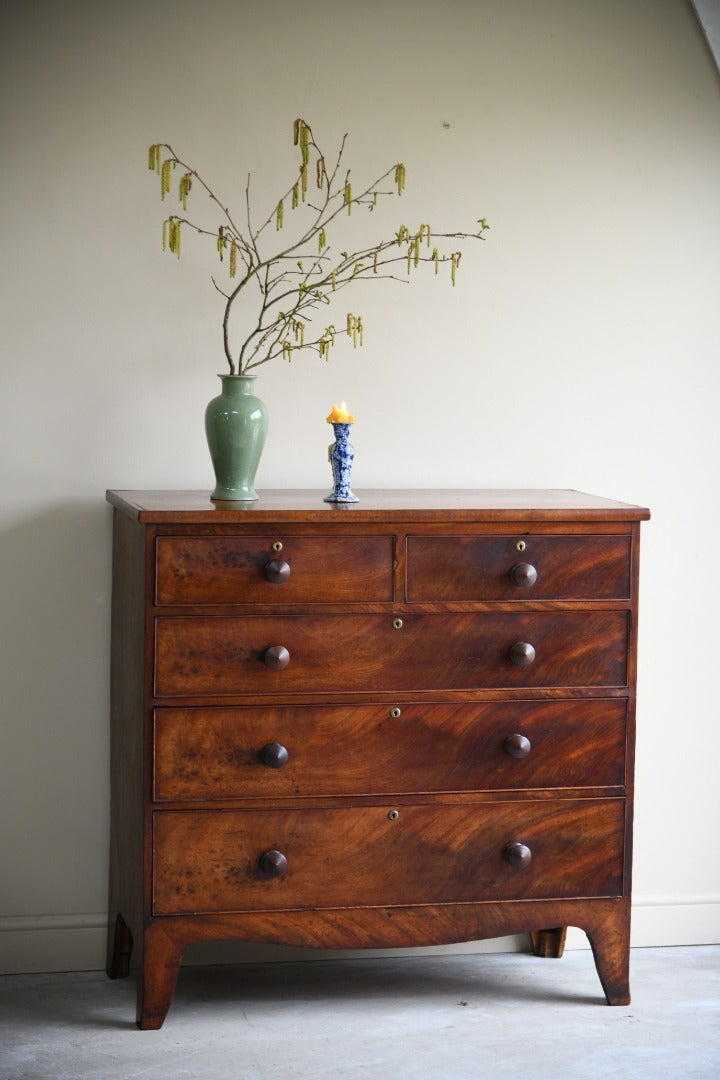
[234, 375]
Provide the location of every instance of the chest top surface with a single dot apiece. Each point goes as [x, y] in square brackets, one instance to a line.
[378, 505]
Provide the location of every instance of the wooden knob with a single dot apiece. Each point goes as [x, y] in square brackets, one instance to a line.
[274, 755]
[277, 571]
[518, 855]
[517, 746]
[522, 653]
[273, 864]
[276, 657]
[523, 574]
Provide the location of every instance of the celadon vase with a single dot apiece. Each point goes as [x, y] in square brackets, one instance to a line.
[236, 425]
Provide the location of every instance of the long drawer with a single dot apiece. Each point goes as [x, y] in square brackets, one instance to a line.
[218, 861]
[266, 752]
[206, 655]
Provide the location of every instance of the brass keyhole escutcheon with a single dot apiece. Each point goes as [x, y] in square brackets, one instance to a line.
[520, 545]
[394, 815]
[277, 546]
[397, 623]
[395, 712]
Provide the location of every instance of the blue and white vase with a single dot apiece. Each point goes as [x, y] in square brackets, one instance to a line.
[340, 455]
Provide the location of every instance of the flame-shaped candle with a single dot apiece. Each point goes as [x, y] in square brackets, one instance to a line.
[339, 414]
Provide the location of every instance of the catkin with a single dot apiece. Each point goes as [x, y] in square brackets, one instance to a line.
[165, 178]
[174, 236]
[185, 187]
[348, 196]
[304, 142]
[279, 215]
[233, 259]
[400, 178]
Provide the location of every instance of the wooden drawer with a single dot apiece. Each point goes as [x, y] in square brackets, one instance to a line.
[207, 754]
[483, 567]
[232, 569]
[210, 861]
[365, 653]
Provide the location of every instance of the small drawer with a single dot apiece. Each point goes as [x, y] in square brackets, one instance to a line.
[456, 568]
[249, 753]
[308, 654]
[250, 860]
[275, 569]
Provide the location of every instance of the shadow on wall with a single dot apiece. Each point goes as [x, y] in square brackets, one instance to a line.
[56, 599]
[55, 619]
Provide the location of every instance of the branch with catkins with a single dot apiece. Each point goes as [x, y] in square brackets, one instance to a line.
[300, 276]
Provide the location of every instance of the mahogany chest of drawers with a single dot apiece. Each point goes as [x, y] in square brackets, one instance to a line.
[409, 721]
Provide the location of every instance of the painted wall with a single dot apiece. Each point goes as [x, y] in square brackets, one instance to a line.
[579, 349]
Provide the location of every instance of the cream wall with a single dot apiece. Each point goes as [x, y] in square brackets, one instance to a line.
[579, 349]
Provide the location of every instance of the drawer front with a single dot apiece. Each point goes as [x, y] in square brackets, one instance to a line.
[454, 568]
[207, 754]
[238, 570]
[367, 653]
[211, 861]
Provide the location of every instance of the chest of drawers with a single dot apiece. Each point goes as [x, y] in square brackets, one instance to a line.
[405, 722]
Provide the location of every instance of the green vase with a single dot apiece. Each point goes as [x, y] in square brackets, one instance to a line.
[236, 425]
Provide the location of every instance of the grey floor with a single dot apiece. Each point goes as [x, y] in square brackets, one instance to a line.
[434, 1017]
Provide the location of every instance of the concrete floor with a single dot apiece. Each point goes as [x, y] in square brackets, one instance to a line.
[434, 1017]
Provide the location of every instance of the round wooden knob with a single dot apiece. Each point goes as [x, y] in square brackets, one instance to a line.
[523, 574]
[522, 653]
[277, 571]
[274, 755]
[276, 657]
[273, 864]
[517, 746]
[518, 855]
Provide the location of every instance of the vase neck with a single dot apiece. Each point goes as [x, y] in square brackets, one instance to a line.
[237, 385]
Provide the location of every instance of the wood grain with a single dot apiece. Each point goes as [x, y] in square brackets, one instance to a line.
[215, 754]
[365, 653]
[479, 568]
[230, 570]
[208, 861]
